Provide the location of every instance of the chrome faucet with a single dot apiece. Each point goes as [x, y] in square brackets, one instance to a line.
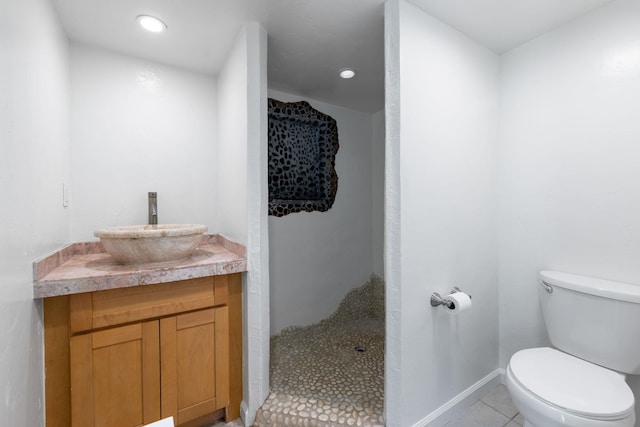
[153, 208]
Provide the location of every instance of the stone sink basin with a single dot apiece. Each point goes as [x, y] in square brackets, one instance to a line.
[143, 244]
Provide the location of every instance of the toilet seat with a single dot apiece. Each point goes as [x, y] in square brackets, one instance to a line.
[572, 385]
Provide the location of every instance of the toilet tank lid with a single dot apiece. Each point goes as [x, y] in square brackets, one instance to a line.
[590, 285]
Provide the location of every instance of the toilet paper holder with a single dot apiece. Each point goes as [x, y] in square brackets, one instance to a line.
[437, 300]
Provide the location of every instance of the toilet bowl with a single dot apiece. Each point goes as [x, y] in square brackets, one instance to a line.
[554, 389]
[592, 325]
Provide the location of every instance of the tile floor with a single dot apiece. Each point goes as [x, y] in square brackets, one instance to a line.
[493, 410]
[234, 423]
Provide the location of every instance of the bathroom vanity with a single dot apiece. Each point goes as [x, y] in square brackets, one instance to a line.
[129, 345]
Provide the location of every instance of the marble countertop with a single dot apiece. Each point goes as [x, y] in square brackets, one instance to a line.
[86, 267]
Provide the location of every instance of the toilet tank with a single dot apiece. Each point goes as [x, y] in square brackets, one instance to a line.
[593, 319]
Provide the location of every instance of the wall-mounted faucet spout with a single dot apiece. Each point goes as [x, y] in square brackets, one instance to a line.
[153, 208]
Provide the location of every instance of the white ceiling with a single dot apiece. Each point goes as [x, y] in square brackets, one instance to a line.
[309, 40]
[502, 25]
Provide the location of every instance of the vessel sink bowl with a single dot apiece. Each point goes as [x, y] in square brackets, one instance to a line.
[143, 244]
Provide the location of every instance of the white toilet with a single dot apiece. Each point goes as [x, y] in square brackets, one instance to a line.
[595, 326]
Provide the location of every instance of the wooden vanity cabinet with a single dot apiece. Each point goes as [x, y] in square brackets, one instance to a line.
[139, 354]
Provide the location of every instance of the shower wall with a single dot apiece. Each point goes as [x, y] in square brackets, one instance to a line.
[317, 257]
[441, 226]
[377, 195]
[242, 165]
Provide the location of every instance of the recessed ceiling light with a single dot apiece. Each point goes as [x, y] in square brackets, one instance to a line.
[151, 23]
[347, 73]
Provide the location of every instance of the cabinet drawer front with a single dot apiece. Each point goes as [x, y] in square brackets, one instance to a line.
[119, 306]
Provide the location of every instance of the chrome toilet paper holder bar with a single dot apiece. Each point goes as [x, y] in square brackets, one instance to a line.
[437, 300]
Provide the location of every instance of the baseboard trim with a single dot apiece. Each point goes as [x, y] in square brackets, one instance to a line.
[456, 406]
[244, 414]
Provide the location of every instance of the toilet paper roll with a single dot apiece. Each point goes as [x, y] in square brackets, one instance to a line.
[460, 300]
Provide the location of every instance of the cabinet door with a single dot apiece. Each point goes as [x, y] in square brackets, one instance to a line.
[194, 364]
[115, 376]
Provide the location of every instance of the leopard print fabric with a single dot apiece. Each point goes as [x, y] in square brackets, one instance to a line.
[303, 143]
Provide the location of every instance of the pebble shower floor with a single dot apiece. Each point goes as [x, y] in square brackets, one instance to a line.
[331, 373]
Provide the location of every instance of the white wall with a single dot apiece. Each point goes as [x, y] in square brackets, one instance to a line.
[377, 194]
[442, 230]
[232, 141]
[242, 196]
[256, 333]
[34, 162]
[317, 257]
[139, 126]
[569, 167]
